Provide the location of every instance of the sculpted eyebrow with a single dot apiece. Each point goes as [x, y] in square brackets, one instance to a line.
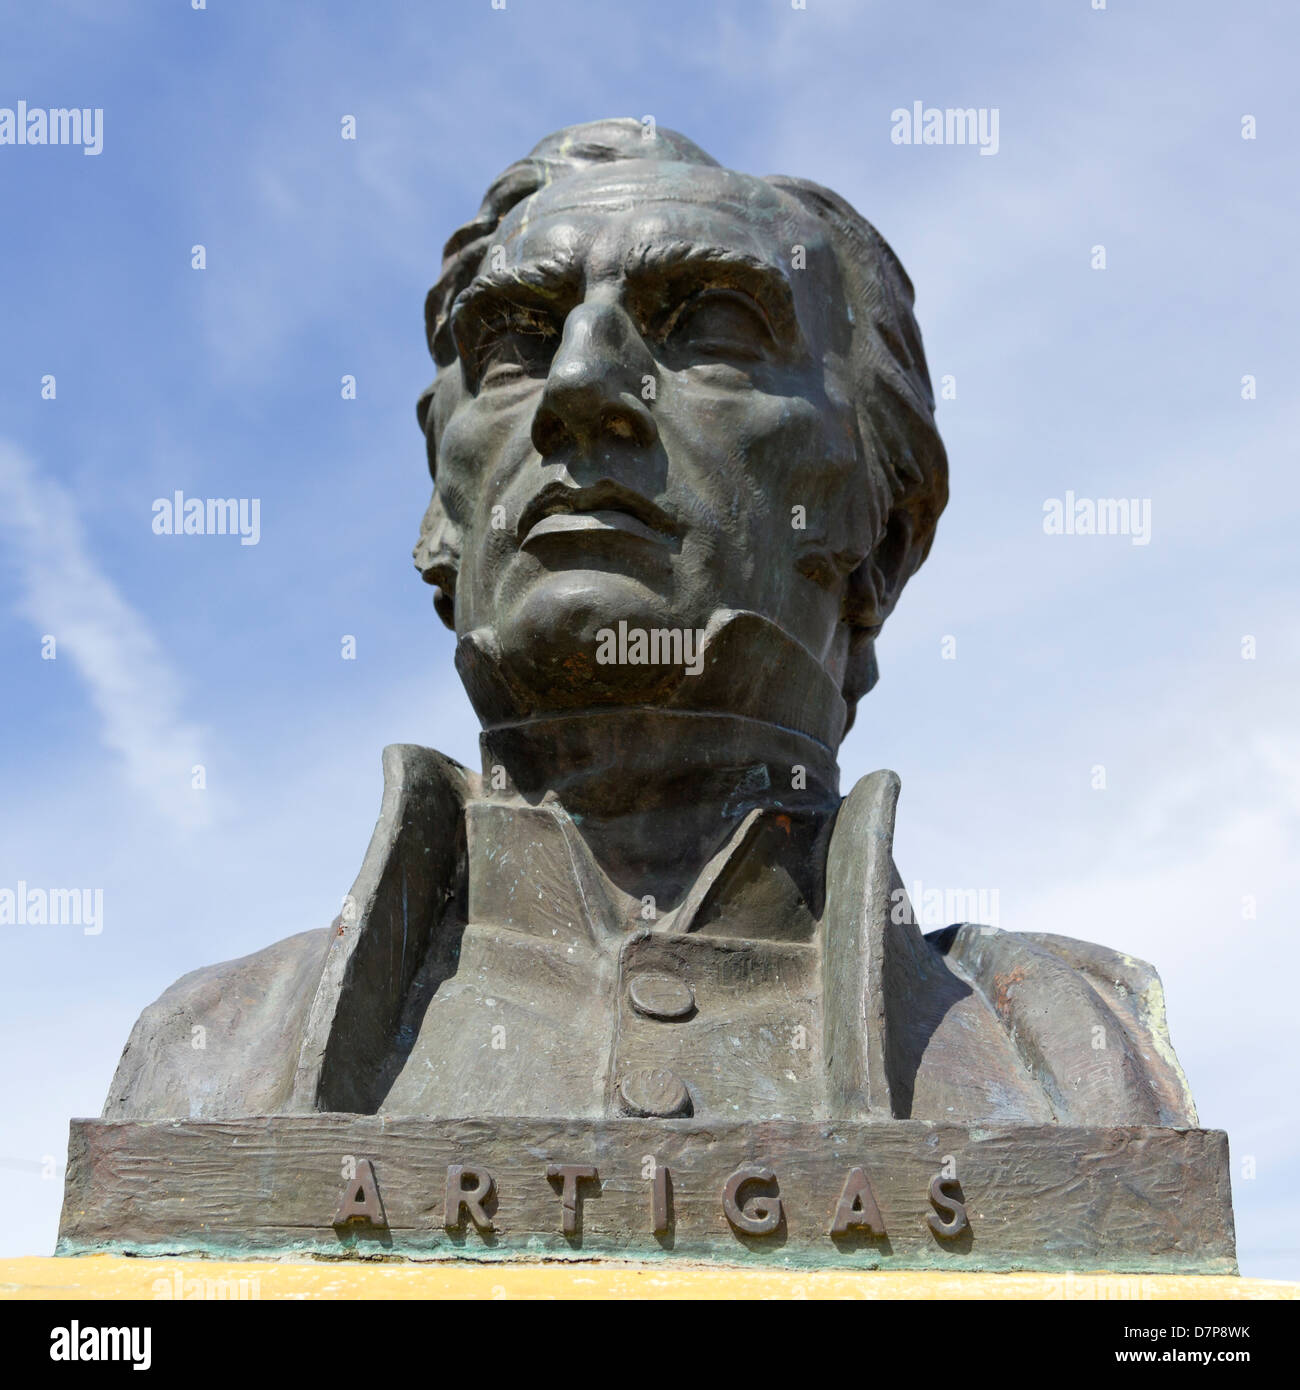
[485, 303]
[652, 267]
[657, 274]
[537, 283]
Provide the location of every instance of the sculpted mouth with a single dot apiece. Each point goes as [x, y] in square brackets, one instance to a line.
[562, 509]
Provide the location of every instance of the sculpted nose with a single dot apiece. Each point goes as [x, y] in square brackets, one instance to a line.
[593, 390]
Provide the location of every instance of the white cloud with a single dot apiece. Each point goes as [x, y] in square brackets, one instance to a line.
[64, 593]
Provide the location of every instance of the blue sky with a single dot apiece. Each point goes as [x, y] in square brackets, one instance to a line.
[1119, 128]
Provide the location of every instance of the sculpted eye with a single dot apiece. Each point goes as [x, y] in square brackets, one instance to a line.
[514, 343]
[719, 323]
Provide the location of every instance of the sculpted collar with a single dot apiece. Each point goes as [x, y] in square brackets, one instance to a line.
[415, 872]
[530, 869]
[885, 988]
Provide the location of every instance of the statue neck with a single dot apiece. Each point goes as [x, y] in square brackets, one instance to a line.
[656, 792]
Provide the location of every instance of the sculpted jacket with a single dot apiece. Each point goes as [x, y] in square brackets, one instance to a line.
[482, 963]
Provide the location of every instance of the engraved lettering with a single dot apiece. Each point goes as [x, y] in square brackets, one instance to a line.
[857, 1209]
[661, 1199]
[570, 1174]
[761, 1214]
[461, 1200]
[360, 1200]
[951, 1219]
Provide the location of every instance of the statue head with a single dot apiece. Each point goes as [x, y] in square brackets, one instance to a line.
[672, 398]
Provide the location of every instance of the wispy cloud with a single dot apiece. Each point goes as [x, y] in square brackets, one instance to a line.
[64, 593]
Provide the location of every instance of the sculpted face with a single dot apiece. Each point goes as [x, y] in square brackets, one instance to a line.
[650, 423]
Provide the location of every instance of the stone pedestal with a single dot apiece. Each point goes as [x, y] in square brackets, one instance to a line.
[847, 1196]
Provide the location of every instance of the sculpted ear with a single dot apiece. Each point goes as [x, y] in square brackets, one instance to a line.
[871, 593]
[879, 580]
[437, 552]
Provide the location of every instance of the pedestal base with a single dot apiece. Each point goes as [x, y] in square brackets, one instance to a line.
[891, 1195]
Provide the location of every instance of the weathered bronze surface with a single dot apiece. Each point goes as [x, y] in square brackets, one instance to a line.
[684, 462]
[846, 1195]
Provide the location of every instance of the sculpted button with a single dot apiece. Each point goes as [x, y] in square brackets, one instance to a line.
[652, 1092]
[661, 996]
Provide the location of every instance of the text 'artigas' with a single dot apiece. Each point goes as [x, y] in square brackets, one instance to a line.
[750, 1199]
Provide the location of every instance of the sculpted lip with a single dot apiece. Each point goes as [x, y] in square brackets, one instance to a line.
[605, 507]
[560, 523]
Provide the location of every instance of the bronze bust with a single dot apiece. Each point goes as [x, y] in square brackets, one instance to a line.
[684, 462]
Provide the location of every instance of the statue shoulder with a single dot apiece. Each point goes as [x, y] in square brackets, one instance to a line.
[1088, 1021]
[223, 1040]
[228, 1040]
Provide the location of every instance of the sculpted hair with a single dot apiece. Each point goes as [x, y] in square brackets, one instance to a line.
[890, 383]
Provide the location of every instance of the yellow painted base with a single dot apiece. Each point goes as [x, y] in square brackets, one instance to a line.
[108, 1276]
